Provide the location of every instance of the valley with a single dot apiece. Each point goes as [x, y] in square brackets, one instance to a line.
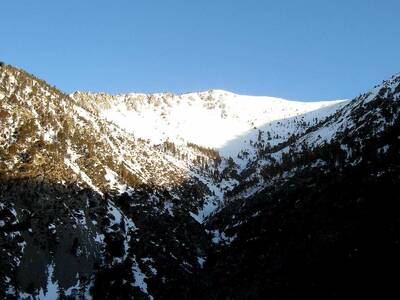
[207, 195]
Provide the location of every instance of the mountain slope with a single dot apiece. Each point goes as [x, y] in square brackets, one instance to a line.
[326, 222]
[189, 118]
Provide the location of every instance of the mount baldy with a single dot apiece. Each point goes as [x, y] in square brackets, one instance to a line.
[208, 195]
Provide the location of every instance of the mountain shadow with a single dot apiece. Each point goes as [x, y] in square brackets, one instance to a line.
[48, 235]
[326, 231]
[64, 241]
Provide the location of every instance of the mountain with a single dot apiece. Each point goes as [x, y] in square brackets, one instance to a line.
[207, 195]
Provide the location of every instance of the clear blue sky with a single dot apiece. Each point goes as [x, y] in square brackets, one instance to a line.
[296, 49]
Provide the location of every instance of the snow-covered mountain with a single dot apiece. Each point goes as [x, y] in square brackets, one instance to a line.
[213, 119]
[148, 195]
[230, 125]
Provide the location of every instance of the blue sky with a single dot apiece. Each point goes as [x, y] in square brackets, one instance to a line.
[297, 49]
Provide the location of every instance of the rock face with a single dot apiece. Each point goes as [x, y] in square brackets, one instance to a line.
[206, 195]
